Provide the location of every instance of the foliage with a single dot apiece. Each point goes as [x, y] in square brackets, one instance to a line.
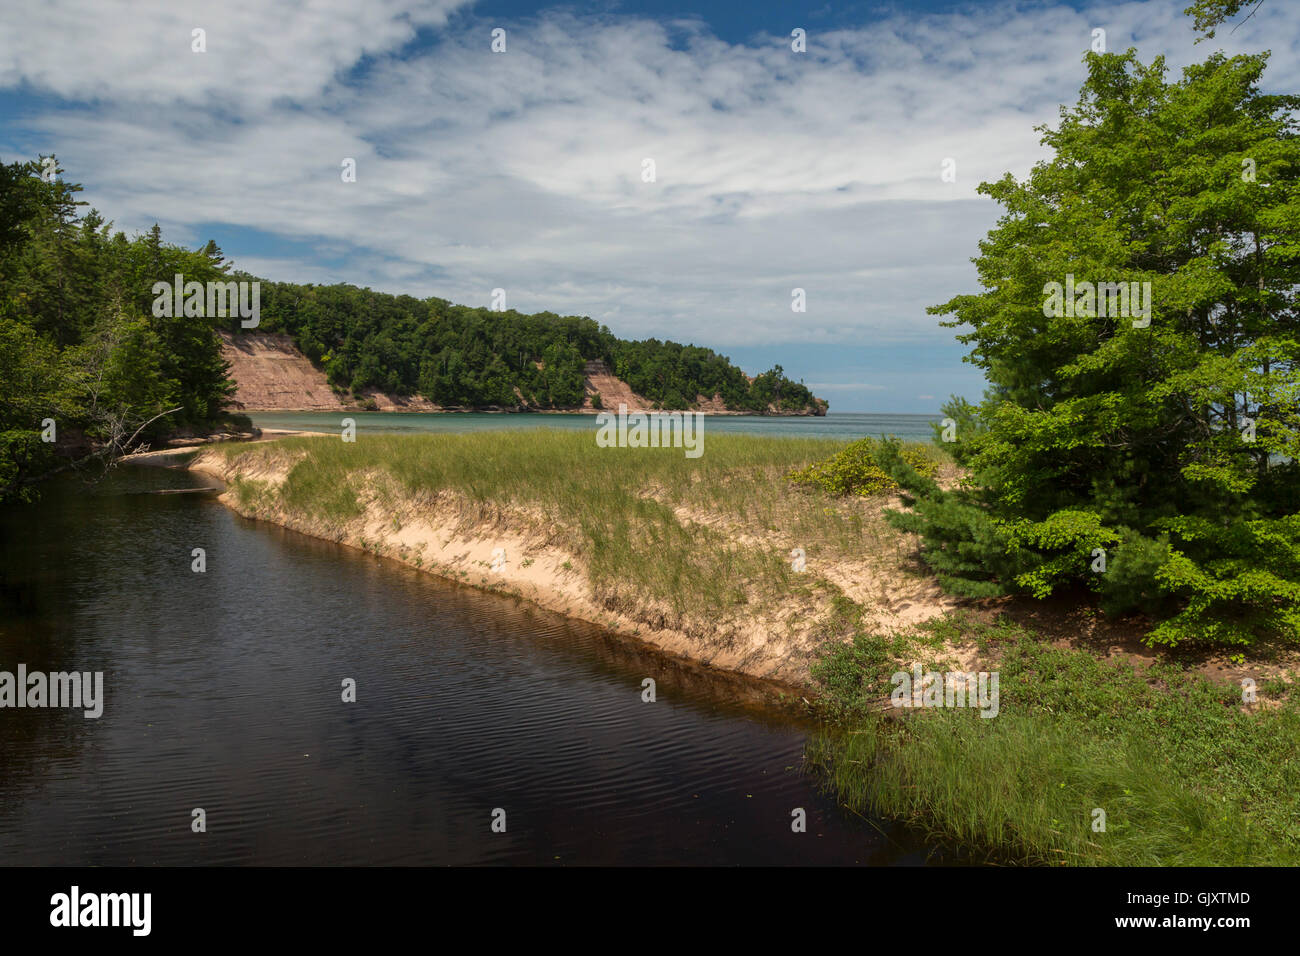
[1185, 775]
[1208, 15]
[458, 356]
[1168, 448]
[857, 470]
[78, 341]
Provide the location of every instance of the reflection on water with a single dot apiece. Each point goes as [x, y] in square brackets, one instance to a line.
[224, 692]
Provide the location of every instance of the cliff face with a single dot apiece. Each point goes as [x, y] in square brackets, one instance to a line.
[613, 391]
[273, 375]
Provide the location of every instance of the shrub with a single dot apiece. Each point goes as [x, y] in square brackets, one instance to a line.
[857, 470]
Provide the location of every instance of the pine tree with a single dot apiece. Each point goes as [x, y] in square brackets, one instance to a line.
[1151, 457]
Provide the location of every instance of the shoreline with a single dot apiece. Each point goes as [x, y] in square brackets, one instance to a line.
[541, 574]
[1079, 697]
[492, 410]
[440, 541]
[756, 619]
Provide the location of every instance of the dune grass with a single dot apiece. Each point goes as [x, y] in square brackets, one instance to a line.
[698, 535]
[1184, 776]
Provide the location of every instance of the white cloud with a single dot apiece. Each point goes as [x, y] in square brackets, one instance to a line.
[113, 51]
[522, 170]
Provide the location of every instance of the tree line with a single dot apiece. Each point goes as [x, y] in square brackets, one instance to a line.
[458, 356]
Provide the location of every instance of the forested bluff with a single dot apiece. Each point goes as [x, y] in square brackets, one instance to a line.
[90, 368]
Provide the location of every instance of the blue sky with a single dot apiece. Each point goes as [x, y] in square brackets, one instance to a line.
[523, 170]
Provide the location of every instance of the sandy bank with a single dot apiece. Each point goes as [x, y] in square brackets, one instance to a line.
[517, 552]
[493, 557]
[700, 569]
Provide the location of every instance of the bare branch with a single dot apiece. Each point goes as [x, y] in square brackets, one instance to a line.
[147, 424]
[1247, 17]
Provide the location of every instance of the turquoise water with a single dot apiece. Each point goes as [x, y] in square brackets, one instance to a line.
[847, 426]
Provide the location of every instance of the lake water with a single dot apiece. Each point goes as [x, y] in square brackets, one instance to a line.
[223, 692]
[845, 426]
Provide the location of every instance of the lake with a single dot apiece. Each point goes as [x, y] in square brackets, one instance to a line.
[846, 426]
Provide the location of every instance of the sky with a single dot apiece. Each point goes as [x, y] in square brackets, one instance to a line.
[525, 170]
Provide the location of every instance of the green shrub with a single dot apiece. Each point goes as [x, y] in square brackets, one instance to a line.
[857, 470]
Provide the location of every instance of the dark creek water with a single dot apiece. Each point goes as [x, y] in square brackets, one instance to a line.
[223, 692]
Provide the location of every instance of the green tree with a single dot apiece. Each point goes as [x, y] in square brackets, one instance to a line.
[1208, 15]
[78, 341]
[1164, 444]
[34, 386]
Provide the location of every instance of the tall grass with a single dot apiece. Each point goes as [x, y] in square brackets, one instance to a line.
[1183, 775]
[698, 535]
